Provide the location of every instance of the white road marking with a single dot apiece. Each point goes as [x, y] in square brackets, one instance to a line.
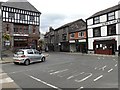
[114, 59]
[103, 68]
[6, 80]
[58, 71]
[98, 57]
[44, 82]
[51, 71]
[98, 78]
[84, 78]
[75, 75]
[115, 65]
[95, 68]
[110, 70]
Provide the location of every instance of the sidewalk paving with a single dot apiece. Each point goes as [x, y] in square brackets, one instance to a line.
[101, 55]
[6, 82]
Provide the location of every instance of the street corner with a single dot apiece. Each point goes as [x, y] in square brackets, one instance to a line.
[7, 82]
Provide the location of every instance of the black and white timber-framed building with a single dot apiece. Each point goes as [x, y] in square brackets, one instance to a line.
[103, 31]
[21, 22]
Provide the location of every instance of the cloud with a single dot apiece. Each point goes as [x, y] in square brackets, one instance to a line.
[52, 19]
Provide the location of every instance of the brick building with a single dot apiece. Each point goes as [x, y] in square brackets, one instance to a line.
[21, 22]
[60, 39]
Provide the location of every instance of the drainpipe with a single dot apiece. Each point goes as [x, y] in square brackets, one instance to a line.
[86, 37]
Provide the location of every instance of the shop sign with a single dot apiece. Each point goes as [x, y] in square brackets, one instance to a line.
[105, 39]
[111, 22]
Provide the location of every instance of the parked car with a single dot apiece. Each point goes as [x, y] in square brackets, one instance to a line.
[28, 56]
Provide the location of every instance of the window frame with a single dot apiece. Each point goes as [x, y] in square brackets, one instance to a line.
[96, 20]
[108, 32]
[109, 16]
[98, 29]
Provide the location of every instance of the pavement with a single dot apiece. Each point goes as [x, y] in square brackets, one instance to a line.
[7, 82]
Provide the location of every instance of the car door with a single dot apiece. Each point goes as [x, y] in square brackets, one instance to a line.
[30, 55]
[37, 55]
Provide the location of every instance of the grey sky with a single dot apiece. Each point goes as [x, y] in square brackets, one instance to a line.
[58, 12]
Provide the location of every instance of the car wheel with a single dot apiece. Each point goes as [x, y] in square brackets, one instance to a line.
[43, 59]
[27, 62]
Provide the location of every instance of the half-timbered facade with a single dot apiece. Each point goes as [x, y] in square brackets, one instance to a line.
[21, 22]
[103, 30]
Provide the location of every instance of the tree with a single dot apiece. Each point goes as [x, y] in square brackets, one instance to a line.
[41, 44]
[6, 37]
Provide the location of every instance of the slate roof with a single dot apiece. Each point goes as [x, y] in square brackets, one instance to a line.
[69, 25]
[21, 4]
[108, 10]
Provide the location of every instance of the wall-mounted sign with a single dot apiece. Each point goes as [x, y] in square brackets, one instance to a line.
[111, 22]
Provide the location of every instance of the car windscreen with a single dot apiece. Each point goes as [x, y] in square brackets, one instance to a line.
[20, 53]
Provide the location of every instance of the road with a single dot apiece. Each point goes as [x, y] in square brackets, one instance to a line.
[66, 70]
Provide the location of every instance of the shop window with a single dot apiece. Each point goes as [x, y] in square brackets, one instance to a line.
[96, 20]
[111, 29]
[111, 16]
[97, 32]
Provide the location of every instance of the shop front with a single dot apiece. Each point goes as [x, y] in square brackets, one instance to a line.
[20, 42]
[107, 47]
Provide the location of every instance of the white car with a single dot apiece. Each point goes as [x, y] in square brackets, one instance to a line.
[28, 56]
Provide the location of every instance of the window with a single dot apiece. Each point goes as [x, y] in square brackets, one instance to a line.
[72, 35]
[111, 16]
[22, 17]
[36, 52]
[64, 36]
[11, 15]
[96, 32]
[30, 52]
[16, 30]
[111, 29]
[81, 34]
[32, 18]
[96, 20]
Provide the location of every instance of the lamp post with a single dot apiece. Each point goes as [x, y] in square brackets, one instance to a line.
[1, 30]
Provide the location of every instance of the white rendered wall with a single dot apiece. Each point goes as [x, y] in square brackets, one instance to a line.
[103, 18]
[90, 33]
[90, 22]
[104, 31]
